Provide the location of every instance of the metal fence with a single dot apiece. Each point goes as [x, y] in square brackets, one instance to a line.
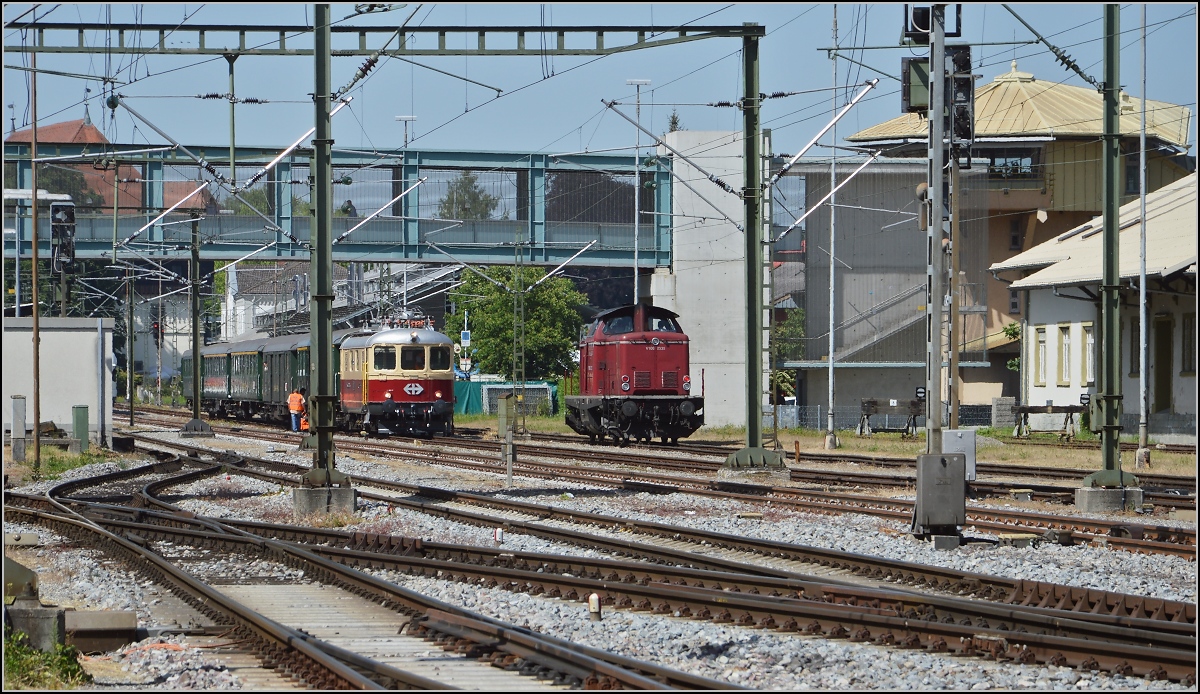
[847, 416]
[539, 398]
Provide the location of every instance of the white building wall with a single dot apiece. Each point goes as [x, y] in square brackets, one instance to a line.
[1183, 383]
[708, 258]
[1053, 314]
[71, 370]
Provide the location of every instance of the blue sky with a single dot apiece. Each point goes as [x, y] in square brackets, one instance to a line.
[554, 105]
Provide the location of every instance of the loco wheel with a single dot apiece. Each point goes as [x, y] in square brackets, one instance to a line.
[592, 439]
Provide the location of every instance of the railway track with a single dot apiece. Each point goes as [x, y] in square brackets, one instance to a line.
[1167, 491]
[1138, 537]
[1018, 631]
[439, 501]
[347, 642]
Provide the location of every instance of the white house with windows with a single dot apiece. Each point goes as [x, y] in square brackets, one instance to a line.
[1060, 281]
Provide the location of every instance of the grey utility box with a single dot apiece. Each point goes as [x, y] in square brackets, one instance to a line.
[961, 441]
[79, 426]
[941, 494]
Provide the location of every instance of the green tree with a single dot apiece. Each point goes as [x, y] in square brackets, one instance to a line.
[1013, 331]
[787, 340]
[552, 321]
[787, 344]
[673, 123]
[465, 199]
[259, 198]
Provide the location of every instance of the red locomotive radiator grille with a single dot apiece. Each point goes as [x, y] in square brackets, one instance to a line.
[641, 379]
[670, 379]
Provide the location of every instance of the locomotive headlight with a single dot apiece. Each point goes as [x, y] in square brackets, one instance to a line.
[437, 394]
[387, 395]
[687, 383]
[625, 385]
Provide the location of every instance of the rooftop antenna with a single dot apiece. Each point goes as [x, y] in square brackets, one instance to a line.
[12, 118]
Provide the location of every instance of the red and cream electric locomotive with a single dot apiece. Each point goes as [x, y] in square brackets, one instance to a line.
[398, 381]
[634, 382]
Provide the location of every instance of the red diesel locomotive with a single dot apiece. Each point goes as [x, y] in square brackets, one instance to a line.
[634, 382]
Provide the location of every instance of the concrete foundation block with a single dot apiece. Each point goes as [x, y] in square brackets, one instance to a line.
[1022, 494]
[22, 540]
[43, 624]
[945, 542]
[309, 500]
[100, 631]
[1105, 499]
[1183, 515]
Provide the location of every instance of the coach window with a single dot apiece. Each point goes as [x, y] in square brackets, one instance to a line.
[439, 358]
[385, 358]
[412, 358]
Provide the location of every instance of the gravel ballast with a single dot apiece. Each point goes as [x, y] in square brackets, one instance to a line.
[743, 657]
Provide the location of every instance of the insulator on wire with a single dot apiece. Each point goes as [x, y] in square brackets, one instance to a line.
[212, 95]
[723, 103]
[252, 100]
[367, 67]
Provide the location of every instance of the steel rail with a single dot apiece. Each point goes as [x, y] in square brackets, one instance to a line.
[1025, 592]
[282, 647]
[1114, 534]
[358, 548]
[1137, 653]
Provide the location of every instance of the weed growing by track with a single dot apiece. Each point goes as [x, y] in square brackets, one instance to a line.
[26, 667]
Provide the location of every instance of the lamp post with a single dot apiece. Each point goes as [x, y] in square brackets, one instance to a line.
[406, 120]
[637, 181]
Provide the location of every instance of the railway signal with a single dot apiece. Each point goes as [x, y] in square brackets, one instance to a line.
[62, 232]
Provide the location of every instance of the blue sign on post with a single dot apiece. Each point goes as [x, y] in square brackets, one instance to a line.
[465, 338]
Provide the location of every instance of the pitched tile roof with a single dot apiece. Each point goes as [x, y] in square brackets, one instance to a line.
[72, 131]
[1016, 104]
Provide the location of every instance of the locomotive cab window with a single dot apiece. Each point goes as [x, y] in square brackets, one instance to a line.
[662, 324]
[439, 358]
[619, 325]
[412, 358]
[385, 358]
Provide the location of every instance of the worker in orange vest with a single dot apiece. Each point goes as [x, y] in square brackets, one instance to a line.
[296, 407]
